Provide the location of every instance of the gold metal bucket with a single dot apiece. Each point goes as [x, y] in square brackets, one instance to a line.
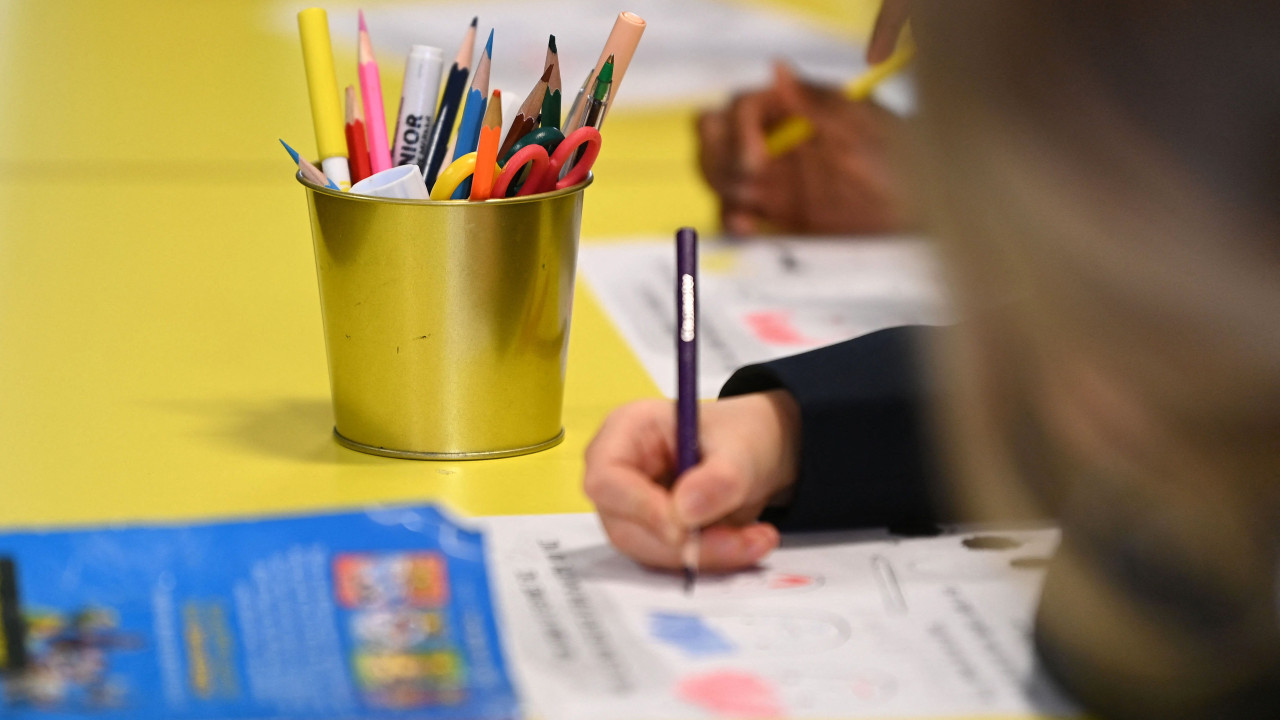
[446, 323]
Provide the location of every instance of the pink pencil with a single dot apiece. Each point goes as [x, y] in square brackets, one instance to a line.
[371, 94]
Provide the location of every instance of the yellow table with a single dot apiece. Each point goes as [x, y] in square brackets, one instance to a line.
[161, 354]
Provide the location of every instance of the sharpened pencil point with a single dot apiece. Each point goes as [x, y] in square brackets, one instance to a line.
[551, 44]
[475, 21]
[363, 27]
[689, 577]
[292, 153]
[488, 46]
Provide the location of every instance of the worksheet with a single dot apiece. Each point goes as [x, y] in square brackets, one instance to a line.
[845, 625]
[762, 299]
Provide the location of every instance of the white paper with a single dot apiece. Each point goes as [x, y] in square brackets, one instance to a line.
[762, 299]
[847, 625]
[692, 52]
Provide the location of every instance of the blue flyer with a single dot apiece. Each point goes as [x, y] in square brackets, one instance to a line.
[380, 614]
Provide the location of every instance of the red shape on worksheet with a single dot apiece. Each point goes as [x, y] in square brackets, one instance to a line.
[788, 581]
[775, 328]
[731, 693]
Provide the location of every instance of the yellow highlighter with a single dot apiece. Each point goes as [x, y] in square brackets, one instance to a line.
[322, 86]
[794, 130]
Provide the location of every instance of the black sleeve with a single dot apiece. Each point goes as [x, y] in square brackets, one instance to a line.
[866, 456]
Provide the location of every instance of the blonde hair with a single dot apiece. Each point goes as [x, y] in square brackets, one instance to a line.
[1118, 359]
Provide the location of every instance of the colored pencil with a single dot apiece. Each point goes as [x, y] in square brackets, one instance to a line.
[487, 149]
[687, 451]
[310, 172]
[371, 93]
[550, 115]
[791, 132]
[450, 101]
[473, 114]
[322, 88]
[357, 147]
[526, 117]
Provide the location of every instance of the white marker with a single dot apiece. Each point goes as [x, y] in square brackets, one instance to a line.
[417, 105]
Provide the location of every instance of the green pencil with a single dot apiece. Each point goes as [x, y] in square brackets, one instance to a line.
[551, 99]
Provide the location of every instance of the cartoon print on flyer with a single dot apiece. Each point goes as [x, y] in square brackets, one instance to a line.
[378, 580]
[67, 662]
[403, 656]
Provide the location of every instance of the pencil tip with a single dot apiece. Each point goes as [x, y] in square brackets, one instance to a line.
[292, 153]
[363, 27]
[475, 21]
[551, 44]
[689, 577]
[488, 46]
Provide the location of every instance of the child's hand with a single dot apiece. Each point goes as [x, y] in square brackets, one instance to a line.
[749, 455]
[893, 16]
[839, 181]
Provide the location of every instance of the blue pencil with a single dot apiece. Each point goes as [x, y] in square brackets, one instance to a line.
[473, 114]
[309, 172]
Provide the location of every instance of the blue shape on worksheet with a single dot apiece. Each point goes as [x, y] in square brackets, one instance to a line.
[689, 633]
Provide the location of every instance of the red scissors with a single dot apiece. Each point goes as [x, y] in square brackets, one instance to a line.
[546, 157]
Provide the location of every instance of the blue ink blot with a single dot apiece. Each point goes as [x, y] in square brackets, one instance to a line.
[689, 633]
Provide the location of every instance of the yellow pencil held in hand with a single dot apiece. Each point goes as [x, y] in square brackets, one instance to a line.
[793, 131]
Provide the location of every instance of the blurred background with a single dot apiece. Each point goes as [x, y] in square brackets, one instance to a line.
[161, 353]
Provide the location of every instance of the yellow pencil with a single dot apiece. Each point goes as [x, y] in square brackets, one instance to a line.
[793, 131]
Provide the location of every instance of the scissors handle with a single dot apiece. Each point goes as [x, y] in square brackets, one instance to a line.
[585, 135]
[534, 155]
[454, 175]
[548, 137]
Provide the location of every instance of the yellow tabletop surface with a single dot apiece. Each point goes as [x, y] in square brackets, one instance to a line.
[161, 354]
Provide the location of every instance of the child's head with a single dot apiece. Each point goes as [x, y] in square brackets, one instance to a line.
[1104, 178]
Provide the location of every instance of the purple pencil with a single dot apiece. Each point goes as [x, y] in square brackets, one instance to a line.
[687, 453]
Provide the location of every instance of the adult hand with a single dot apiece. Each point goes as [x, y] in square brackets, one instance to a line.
[749, 455]
[838, 181]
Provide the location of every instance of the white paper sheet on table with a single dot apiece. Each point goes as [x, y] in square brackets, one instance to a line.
[762, 299]
[848, 625]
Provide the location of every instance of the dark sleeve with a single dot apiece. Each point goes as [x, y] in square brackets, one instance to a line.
[866, 456]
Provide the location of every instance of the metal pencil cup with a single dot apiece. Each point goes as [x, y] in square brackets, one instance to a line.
[446, 323]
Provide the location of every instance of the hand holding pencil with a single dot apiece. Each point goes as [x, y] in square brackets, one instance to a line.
[749, 448]
[839, 180]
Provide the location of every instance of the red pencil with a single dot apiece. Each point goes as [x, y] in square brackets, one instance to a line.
[357, 142]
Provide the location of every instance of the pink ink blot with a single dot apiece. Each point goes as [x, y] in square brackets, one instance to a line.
[775, 327]
[787, 582]
[732, 694]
